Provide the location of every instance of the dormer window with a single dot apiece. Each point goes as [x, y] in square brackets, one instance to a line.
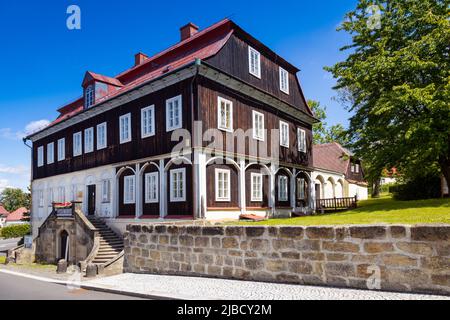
[89, 96]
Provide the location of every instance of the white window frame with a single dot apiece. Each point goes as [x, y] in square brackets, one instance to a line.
[228, 104]
[106, 191]
[40, 156]
[352, 168]
[51, 153]
[256, 134]
[356, 168]
[283, 193]
[174, 126]
[129, 181]
[173, 197]
[301, 189]
[89, 140]
[252, 187]
[226, 185]
[102, 142]
[77, 144]
[284, 80]
[256, 71]
[284, 133]
[149, 198]
[89, 96]
[148, 128]
[61, 149]
[122, 131]
[301, 137]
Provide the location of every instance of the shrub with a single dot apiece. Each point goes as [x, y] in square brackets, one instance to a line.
[417, 188]
[15, 231]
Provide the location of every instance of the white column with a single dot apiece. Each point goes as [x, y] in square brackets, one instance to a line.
[293, 189]
[242, 199]
[313, 194]
[116, 200]
[273, 169]
[138, 204]
[200, 175]
[162, 190]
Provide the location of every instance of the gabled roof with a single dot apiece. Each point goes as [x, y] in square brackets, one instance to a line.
[332, 157]
[89, 76]
[17, 215]
[3, 211]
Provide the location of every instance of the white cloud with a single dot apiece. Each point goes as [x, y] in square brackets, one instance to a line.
[35, 126]
[7, 133]
[32, 127]
[3, 184]
[20, 169]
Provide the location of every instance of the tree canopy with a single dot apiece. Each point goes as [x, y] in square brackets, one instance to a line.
[13, 199]
[396, 80]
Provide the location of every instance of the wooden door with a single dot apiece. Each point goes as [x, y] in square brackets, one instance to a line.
[91, 200]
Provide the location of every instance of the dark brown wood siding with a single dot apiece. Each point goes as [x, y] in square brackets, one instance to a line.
[184, 208]
[211, 186]
[138, 148]
[149, 209]
[125, 210]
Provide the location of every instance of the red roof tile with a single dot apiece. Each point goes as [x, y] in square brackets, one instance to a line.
[3, 211]
[98, 77]
[331, 156]
[16, 215]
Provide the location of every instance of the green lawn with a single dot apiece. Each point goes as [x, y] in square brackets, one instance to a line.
[375, 211]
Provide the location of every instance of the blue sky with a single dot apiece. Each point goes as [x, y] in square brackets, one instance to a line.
[43, 63]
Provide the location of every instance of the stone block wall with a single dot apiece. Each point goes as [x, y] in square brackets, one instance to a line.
[393, 258]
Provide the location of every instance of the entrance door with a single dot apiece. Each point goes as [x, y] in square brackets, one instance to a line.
[91, 200]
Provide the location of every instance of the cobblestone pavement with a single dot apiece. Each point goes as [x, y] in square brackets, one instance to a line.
[189, 288]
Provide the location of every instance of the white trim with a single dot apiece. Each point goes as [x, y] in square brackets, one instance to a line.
[104, 127]
[255, 132]
[286, 189]
[284, 75]
[51, 153]
[301, 137]
[89, 140]
[122, 138]
[227, 197]
[257, 71]
[252, 187]
[221, 100]
[285, 125]
[180, 113]
[148, 176]
[151, 111]
[40, 156]
[61, 149]
[77, 144]
[181, 198]
[89, 96]
[127, 198]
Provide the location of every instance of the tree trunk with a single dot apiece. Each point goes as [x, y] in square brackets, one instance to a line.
[445, 169]
[376, 188]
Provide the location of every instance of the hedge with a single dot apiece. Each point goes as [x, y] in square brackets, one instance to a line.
[418, 188]
[15, 231]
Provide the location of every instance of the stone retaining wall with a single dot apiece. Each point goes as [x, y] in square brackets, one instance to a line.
[397, 258]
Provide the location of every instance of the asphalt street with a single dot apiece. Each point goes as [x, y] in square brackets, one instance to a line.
[6, 244]
[20, 288]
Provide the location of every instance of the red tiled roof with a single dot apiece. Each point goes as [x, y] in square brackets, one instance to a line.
[3, 211]
[331, 156]
[98, 77]
[16, 215]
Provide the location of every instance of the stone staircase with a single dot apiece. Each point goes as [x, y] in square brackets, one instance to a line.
[110, 243]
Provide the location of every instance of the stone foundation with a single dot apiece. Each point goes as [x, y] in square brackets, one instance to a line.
[395, 258]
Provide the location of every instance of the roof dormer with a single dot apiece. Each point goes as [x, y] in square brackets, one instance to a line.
[97, 87]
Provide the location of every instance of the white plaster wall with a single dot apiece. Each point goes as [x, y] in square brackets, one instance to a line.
[326, 180]
[360, 191]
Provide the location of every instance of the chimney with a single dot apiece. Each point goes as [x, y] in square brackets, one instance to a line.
[188, 31]
[139, 58]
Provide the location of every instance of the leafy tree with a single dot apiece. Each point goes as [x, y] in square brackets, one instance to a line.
[321, 132]
[396, 80]
[13, 199]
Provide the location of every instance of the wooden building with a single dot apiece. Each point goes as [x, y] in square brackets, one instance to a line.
[215, 126]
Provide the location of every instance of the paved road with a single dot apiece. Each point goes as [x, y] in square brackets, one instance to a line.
[7, 244]
[20, 288]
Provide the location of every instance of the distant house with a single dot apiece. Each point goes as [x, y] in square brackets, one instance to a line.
[389, 177]
[337, 173]
[16, 217]
[3, 215]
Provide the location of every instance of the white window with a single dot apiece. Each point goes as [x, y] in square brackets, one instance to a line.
[77, 145]
[151, 187]
[148, 122]
[284, 134]
[61, 195]
[356, 168]
[129, 186]
[106, 191]
[352, 168]
[254, 61]
[301, 137]
[41, 198]
[258, 126]
[102, 140]
[40, 156]
[125, 128]
[284, 81]
[301, 188]
[89, 140]
[256, 186]
[61, 149]
[223, 185]
[225, 114]
[50, 196]
[50, 153]
[178, 185]
[89, 97]
[282, 188]
[174, 118]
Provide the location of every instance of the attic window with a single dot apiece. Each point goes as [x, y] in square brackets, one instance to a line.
[89, 97]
